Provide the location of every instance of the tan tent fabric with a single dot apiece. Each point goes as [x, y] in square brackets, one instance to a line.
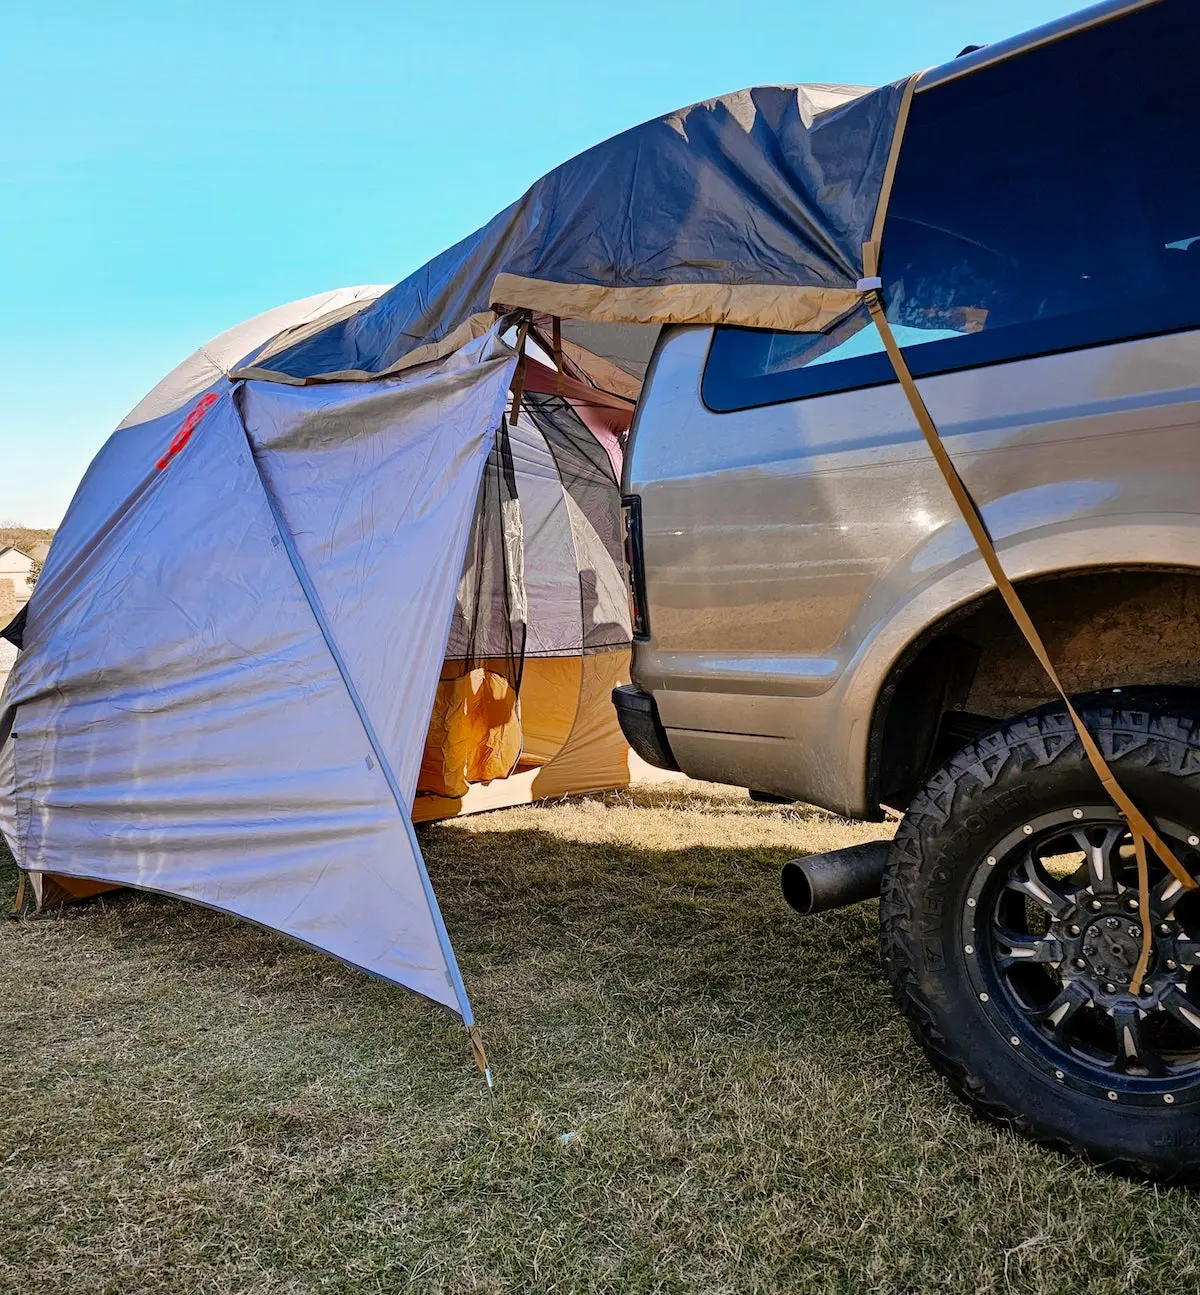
[592, 757]
[596, 749]
[51, 890]
[748, 209]
[751, 305]
[549, 699]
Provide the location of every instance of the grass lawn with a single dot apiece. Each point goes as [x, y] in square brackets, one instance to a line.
[698, 1092]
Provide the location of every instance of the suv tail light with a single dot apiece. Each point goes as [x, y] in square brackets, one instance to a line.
[635, 567]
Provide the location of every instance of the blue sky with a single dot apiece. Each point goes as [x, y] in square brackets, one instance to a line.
[169, 168]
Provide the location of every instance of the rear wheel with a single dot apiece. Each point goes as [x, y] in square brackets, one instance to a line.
[1010, 931]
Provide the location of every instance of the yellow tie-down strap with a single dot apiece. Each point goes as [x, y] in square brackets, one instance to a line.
[1140, 827]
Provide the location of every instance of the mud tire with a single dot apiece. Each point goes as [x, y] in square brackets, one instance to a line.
[1027, 766]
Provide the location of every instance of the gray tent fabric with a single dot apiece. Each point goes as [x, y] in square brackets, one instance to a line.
[370, 511]
[215, 358]
[179, 719]
[552, 560]
[570, 524]
[748, 209]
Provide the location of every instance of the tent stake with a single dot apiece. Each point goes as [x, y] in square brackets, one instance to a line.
[480, 1055]
[19, 902]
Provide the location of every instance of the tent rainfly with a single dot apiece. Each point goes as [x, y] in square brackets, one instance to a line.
[357, 561]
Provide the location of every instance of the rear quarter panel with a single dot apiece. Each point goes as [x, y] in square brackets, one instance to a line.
[792, 551]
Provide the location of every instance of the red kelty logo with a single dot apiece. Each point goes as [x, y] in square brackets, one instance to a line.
[181, 437]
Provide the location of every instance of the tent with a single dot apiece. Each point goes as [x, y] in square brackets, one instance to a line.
[312, 588]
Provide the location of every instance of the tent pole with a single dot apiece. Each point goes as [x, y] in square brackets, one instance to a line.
[556, 342]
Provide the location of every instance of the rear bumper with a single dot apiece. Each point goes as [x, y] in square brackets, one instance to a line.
[638, 717]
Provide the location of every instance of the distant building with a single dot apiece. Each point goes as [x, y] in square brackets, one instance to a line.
[15, 589]
[15, 569]
[8, 658]
[16, 566]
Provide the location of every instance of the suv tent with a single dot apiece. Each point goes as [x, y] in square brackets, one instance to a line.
[283, 564]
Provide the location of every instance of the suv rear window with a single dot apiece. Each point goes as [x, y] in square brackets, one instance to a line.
[1048, 202]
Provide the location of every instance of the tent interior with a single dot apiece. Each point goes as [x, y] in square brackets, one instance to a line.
[540, 634]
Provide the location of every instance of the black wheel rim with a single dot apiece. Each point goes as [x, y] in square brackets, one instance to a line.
[1051, 934]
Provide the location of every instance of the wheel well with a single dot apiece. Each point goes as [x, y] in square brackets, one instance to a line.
[1103, 629]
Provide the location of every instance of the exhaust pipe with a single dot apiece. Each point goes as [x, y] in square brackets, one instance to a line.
[824, 881]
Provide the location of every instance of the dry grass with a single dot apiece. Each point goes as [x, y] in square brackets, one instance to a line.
[193, 1105]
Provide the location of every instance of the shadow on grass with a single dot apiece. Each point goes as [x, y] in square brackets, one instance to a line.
[535, 918]
[708, 923]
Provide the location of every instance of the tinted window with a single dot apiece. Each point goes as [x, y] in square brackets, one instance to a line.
[1048, 202]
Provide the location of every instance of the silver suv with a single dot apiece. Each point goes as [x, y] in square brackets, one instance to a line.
[814, 621]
